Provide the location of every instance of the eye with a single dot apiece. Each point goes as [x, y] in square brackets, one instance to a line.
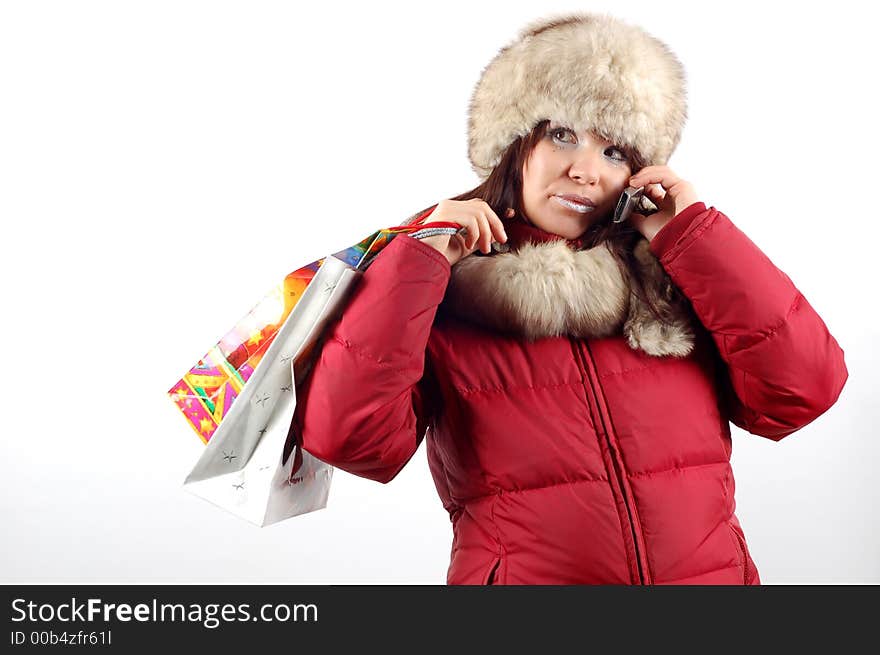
[556, 131]
[621, 154]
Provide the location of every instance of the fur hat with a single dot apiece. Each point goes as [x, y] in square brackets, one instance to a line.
[589, 71]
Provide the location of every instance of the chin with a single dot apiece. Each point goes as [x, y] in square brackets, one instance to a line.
[569, 233]
[571, 228]
[562, 222]
[572, 225]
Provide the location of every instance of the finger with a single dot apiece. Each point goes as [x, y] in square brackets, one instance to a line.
[638, 179]
[485, 239]
[497, 226]
[654, 175]
[655, 169]
[501, 234]
[655, 192]
[461, 242]
[473, 239]
[665, 181]
[468, 231]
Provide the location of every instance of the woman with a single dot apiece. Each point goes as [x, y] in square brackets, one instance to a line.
[575, 381]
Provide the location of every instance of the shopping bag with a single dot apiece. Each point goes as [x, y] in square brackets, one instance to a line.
[207, 392]
[251, 465]
[241, 396]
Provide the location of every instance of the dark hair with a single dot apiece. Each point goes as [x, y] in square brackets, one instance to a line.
[503, 190]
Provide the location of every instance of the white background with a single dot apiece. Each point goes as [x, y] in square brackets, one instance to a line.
[164, 164]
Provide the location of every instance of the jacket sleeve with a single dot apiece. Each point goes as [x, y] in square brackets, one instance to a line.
[783, 367]
[368, 399]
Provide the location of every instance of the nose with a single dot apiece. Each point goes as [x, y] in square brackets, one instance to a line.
[585, 167]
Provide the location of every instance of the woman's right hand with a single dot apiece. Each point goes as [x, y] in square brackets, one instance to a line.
[483, 227]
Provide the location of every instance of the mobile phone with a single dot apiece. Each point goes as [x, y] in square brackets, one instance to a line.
[628, 201]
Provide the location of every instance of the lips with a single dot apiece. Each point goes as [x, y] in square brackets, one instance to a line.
[577, 204]
[579, 200]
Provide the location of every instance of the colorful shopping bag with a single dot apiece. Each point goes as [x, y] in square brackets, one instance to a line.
[241, 395]
[206, 393]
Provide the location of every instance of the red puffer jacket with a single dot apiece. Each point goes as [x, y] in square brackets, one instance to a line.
[569, 460]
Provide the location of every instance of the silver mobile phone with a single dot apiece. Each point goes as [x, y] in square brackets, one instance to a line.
[629, 199]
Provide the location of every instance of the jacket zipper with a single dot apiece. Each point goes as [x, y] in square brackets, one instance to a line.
[594, 389]
[743, 556]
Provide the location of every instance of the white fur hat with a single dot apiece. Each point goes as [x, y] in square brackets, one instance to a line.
[588, 71]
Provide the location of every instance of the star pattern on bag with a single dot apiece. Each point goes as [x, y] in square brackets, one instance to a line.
[256, 337]
[229, 456]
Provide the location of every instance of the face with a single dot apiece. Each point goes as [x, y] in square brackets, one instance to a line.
[578, 164]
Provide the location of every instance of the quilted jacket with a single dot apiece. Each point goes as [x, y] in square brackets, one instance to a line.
[565, 459]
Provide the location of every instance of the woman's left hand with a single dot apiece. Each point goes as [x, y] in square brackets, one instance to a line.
[665, 189]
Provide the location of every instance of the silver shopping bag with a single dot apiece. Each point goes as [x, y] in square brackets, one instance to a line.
[252, 465]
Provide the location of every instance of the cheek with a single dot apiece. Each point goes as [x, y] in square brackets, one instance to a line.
[534, 190]
[541, 167]
[620, 181]
[537, 181]
[529, 181]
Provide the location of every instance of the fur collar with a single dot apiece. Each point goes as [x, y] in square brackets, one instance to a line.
[544, 286]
